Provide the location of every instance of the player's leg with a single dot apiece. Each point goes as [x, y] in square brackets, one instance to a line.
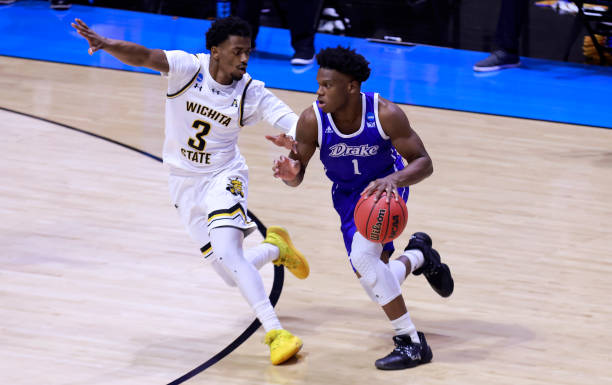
[228, 223]
[405, 264]
[382, 286]
[189, 197]
[229, 261]
[420, 257]
[261, 254]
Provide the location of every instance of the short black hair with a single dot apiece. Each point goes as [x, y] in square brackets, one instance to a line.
[346, 61]
[221, 30]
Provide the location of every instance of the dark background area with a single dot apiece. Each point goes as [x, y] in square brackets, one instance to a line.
[464, 24]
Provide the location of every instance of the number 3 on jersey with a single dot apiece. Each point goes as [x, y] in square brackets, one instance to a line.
[199, 143]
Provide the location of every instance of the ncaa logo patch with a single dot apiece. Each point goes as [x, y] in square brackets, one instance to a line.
[370, 117]
[200, 77]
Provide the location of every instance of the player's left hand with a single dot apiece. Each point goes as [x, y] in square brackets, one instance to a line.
[283, 140]
[378, 186]
[286, 168]
[96, 42]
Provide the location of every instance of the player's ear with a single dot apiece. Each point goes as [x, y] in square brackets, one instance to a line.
[214, 52]
[354, 87]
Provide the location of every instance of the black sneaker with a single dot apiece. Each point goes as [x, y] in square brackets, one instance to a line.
[406, 354]
[302, 58]
[437, 273]
[498, 60]
[60, 5]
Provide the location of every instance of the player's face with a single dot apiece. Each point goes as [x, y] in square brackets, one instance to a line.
[234, 55]
[334, 89]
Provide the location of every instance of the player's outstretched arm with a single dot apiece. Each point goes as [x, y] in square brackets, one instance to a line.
[129, 53]
[410, 147]
[291, 170]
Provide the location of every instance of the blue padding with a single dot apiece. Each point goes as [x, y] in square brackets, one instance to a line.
[420, 75]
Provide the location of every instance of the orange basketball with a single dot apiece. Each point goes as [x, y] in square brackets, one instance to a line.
[380, 221]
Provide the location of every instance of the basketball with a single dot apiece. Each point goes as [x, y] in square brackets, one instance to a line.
[380, 221]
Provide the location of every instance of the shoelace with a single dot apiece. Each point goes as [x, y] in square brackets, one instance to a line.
[288, 262]
[277, 338]
[408, 350]
[269, 338]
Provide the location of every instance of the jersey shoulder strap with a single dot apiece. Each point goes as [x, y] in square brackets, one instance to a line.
[186, 86]
[242, 101]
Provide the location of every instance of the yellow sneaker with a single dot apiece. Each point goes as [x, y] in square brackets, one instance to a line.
[283, 345]
[288, 254]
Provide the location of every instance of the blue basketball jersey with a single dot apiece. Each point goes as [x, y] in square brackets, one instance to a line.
[352, 161]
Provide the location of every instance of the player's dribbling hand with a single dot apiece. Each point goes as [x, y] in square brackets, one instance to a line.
[286, 168]
[96, 42]
[283, 140]
[378, 186]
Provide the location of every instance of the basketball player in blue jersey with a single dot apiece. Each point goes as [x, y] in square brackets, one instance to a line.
[362, 139]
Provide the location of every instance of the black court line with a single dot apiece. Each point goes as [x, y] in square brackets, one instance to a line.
[279, 272]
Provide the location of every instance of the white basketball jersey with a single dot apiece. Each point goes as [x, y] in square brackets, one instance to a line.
[204, 118]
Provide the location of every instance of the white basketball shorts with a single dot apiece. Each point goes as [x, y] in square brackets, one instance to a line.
[206, 201]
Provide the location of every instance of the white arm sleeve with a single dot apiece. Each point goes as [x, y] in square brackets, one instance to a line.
[261, 104]
[287, 124]
[183, 66]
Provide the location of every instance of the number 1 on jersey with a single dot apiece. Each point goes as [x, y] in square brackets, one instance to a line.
[356, 166]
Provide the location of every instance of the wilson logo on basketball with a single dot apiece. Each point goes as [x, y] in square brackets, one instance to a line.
[375, 233]
[378, 220]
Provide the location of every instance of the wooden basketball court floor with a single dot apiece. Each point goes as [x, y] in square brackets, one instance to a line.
[100, 284]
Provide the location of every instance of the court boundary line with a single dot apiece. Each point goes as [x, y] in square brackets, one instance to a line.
[279, 272]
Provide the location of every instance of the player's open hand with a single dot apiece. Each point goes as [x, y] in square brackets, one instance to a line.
[283, 140]
[378, 186]
[286, 168]
[95, 41]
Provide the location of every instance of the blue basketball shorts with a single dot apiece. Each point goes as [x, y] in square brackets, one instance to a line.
[344, 202]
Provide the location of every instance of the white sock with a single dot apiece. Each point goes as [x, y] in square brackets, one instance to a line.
[404, 325]
[398, 269]
[261, 254]
[266, 315]
[416, 258]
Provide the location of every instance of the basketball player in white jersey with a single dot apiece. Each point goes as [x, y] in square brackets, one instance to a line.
[210, 98]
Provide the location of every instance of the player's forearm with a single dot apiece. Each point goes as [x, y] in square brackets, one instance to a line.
[287, 124]
[127, 52]
[414, 172]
